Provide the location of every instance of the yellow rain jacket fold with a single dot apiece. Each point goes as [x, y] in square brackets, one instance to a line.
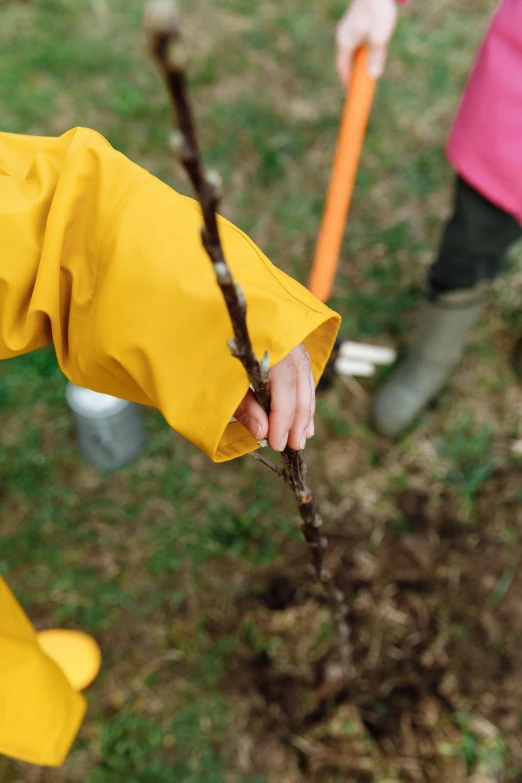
[40, 713]
[105, 261]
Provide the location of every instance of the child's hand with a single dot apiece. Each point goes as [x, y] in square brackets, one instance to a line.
[293, 404]
[369, 22]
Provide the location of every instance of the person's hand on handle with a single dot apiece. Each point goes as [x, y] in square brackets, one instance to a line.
[293, 404]
[370, 22]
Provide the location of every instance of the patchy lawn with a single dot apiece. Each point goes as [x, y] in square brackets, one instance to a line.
[217, 646]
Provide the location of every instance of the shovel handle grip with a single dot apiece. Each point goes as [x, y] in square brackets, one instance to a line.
[356, 111]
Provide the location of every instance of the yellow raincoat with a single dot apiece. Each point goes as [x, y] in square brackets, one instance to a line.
[105, 261]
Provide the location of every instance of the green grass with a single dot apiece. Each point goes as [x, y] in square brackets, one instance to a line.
[121, 555]
[470, 451]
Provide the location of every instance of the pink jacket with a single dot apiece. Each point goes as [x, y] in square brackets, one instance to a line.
[485, 144]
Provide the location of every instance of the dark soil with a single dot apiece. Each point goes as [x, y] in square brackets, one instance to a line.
[436, 623]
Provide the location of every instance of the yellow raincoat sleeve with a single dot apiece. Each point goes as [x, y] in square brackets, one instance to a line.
[105, 261]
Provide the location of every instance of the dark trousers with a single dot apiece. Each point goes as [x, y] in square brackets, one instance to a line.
[474, 242]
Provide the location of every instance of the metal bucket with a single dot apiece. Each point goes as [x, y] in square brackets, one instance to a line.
[111, 432]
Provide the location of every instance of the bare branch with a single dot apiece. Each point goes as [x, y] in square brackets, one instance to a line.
[269, 464]
[166, 44]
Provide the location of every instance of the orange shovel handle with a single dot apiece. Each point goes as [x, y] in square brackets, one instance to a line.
[350, 141]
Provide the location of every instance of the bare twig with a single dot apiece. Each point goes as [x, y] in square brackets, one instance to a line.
[166, 44]
[269, 464]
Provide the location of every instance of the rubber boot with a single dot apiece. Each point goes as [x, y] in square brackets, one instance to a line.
[75, 653]
[444, 323]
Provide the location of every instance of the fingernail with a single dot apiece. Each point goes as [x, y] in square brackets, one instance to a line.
[251, 425]
[302, 444]
[283, 443]
[310, 430]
